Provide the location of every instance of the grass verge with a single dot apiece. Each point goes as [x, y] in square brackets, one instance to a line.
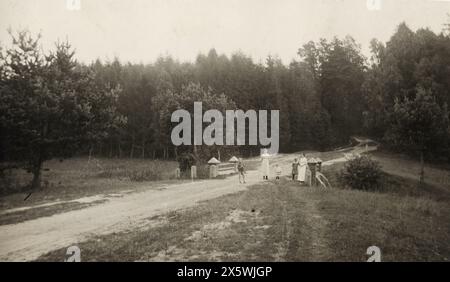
[30, 214]
[77, 178]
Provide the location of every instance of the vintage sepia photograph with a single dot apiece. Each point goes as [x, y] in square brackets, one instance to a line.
[228, 131]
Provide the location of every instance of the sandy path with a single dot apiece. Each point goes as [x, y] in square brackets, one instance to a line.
[30, 239]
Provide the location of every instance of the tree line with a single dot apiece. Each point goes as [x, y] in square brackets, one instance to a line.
[54, 106]
[313, 114]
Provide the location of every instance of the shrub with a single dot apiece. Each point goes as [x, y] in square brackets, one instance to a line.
[185, 161]
[361, 173]
[203, 171]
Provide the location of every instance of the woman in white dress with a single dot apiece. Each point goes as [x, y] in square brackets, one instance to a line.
[265, 164]
[301, 176]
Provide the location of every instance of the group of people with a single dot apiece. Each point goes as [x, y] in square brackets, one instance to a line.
[299, 168]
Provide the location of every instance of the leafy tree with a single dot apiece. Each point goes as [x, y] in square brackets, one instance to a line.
[277, 98]
[50, 106]
[409, 63]
[419, 124]
[374, 115]
[447, 26]
[192, 92]
[338, 70]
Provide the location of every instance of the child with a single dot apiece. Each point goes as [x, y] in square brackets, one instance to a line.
[277, 171]
[295, 165]
[241, 170]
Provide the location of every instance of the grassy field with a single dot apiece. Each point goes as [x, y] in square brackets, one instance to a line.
[281, 221]
[405, 166]
[79, 177]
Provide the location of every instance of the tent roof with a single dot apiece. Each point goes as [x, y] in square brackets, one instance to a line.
[234, 159]
[213, 161]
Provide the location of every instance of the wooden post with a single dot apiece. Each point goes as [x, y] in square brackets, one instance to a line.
[193, 172]
[213, 171]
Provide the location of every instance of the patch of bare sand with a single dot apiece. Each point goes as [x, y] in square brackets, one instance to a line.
[235, 216]
[173, 253]
[207, 231]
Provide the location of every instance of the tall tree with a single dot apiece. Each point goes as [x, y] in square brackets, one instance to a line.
[338, 70]
[419, 124]
[410, 63]
[50, 105]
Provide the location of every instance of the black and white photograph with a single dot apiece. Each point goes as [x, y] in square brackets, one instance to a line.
[225, 131]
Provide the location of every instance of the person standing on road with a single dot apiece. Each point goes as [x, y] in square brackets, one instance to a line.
[265, 167]
[277, 171]
[241, 171]
[302, 168]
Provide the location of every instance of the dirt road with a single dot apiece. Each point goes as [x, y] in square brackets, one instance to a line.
[28, 240]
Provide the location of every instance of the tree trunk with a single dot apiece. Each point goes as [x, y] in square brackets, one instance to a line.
[175, 151]
[37, 166]
[422, 168]
[195, 152]
[91, 150]
[36, 182]
[119, 148]
[110, 148]
[132, 147]
[143, 148]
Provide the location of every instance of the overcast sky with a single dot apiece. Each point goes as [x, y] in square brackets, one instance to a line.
[142, 30]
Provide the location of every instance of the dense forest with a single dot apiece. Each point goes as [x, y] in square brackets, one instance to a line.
[53, 106]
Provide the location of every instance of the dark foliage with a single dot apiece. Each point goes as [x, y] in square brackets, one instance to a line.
[361, 173]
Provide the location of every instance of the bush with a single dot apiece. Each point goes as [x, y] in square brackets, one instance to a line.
[361, 173]
[185, 161]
